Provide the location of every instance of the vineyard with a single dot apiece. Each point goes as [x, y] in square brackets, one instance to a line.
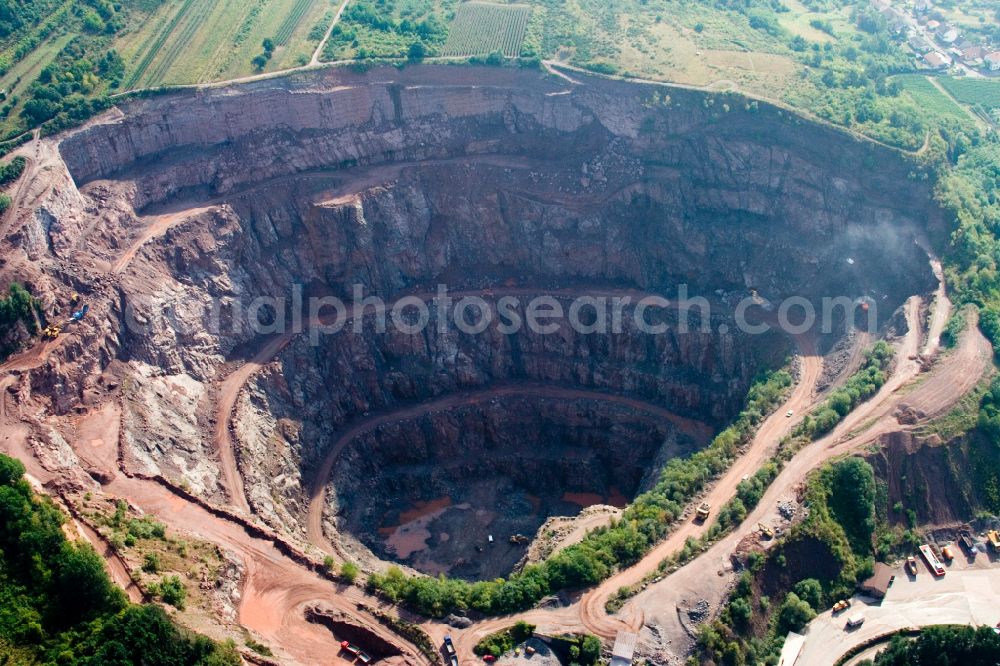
[193, 22]
[291, 22]
[975, 92]
[927, 96]
[481, 28]
[157, 44]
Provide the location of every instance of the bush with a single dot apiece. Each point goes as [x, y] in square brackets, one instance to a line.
[349, 572]
[504, 641]
[172, 591]
[151, 563]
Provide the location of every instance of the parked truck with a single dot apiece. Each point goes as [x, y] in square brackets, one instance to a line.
[994, 538]
[933, 563]
[701, 515]
[965, 540]
[449, 650]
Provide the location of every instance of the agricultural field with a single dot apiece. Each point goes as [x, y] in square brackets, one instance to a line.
[927, 96]
[974, 92]
[191, 41]
[481, 28]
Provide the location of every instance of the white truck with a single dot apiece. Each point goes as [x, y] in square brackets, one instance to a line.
[855, 620]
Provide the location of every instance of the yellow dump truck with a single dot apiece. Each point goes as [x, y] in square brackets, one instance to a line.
[994, 538]
[703, 510]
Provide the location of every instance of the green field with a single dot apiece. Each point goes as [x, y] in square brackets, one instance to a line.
[482, 28]
[193, 41]
[976, 92]
[926, 95]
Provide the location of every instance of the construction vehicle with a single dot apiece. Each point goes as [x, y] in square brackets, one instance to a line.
[81, 313]
[356, 652]
[701, 515]
[911, 565]
[765, 531]
[51, 332]
[74, 299]
[994, 538]
[932, 561]
[520, 540]
[947, 553]
[965, 540]
[841, 606]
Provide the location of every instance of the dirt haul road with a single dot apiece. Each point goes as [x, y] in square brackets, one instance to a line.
[701, 578]
[761, 448]
[955, 374]
[276, 589]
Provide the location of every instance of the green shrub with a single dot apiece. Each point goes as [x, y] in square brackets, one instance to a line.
[151, 563]
[504, 641]
[349, 572]
[172, 591]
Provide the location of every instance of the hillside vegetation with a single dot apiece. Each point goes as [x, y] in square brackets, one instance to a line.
[819, 562]
[58, 604]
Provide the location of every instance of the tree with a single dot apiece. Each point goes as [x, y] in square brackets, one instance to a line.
[590, 650]
[943, 646]
[741, 612]
[852, 501]
[11, 470]
[794, 614]
[810, 591]
[92, 22]
[417, 51]
[268, 45]
[259, 62]
[83, 589]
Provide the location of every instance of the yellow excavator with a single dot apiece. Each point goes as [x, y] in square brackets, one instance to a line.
[51, 332]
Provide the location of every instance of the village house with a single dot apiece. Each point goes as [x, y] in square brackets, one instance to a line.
[937, 60]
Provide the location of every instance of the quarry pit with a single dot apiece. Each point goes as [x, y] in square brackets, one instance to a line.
[180, 212]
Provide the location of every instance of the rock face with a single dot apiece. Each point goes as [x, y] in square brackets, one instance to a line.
[925, 476]
[497, 183]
